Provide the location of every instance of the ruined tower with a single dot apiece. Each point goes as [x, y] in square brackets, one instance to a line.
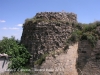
[47, 31]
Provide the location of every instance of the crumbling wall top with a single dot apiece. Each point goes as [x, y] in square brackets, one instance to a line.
[63, 16]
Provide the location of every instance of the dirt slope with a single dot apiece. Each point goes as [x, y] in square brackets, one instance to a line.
[63, 64]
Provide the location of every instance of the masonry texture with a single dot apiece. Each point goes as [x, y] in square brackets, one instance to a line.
[88, 62]
[47, 31]
[61, 64]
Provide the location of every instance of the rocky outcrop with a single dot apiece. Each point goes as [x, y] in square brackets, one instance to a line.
[47, 31]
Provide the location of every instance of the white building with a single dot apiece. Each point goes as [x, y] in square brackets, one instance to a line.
[4, 61]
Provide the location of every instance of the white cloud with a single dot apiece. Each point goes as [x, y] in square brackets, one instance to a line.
[13, 28]
[2, 21]
[20, 25]
[4, 28]
[10, 28]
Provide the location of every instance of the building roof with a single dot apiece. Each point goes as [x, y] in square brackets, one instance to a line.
[3, 55]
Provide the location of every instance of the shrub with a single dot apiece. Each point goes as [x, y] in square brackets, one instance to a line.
[40, 60]
[85, 32]
[91, 39]
[74, 37]
[66, 47]
[19, 54]
[89, 27]
[84, 36]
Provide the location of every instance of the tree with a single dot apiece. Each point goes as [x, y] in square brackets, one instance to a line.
[19, 54]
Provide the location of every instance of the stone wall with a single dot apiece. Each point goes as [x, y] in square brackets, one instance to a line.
[58, 16]
[47, 31]
[88, 62]
[61, 64]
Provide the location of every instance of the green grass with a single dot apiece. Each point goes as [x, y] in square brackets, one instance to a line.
[41, 59]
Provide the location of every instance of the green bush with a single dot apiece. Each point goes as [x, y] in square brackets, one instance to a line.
[77, 26]
[40, 60]
[85, 32]
[91, 39]
[19, 54]
[89, 27]
[84, 36]
[74, 37]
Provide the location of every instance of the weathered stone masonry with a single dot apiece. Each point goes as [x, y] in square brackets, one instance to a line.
[88, 62]
[49, 33]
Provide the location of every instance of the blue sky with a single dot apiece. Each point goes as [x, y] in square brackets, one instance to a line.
[14, 12]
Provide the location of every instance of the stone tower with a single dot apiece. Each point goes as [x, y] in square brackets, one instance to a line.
[47, 31]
